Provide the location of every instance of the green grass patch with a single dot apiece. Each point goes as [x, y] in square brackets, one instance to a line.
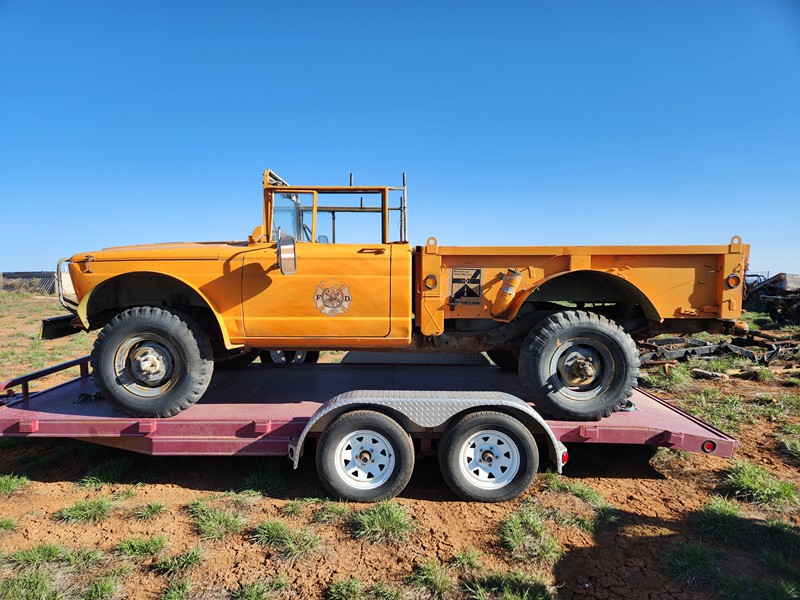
[605, 514]
[432, 577]
[293, 508]
[106, 473]
[515, 585]
[330, 512]
[177, 590]
[677, 378]
[96, 510]
[37, 556]
[102, 588]
[10, 484]
[754, 483]
[290, 544]
[260, 590]
[172, 565]
[698, 566]
[31, 585]
[141, 547]
[383, 522]
[353, 588]
[790, 450]
[466, 559]
[214, 523]
[83, 559]
[267, 479]
[7, 524]
[720, 519]
[526, 535]
[148, 512]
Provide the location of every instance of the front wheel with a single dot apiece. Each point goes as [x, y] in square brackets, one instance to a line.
[578, 365]
[489, 457]
[365, 456]
[152, 362]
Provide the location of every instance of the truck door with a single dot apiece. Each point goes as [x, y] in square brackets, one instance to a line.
[338, 291]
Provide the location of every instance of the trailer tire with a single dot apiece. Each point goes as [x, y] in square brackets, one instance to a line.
[152, 362]
[578, 365]
[505, 359]
[488, 457]
[384, 464]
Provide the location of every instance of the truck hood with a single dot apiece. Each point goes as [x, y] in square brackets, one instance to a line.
[169, 251]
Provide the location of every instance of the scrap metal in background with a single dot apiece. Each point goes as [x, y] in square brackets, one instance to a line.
[756, 346]
[778, 295]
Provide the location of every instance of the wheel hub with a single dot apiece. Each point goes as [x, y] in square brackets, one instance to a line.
[489, 459]
[579, 367]
[365, 459]
[151, 363]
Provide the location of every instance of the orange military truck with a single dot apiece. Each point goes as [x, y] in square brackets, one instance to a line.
[563, 316]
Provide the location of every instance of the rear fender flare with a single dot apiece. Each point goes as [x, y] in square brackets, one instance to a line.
[629, 289]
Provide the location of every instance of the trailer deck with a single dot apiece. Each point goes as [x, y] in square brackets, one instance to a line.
[259, 409]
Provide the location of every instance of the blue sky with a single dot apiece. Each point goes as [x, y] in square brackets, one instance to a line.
[540, 122]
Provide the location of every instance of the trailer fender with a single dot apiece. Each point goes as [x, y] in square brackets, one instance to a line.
[427, 410]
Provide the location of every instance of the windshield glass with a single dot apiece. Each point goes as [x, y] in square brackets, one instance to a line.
[286, 216]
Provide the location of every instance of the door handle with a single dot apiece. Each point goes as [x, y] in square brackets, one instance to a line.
[372, 251]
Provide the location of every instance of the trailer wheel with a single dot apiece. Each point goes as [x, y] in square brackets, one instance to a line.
[236, 361]
[488, 457]
[289, 357]
[365, 456]
[505, 359]
[578, 365]
[152, 361]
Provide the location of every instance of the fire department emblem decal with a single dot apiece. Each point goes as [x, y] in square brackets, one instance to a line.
[332, 297]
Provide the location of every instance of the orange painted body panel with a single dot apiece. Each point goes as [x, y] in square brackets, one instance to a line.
[367, 295]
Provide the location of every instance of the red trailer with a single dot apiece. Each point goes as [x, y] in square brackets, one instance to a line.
[369, 421]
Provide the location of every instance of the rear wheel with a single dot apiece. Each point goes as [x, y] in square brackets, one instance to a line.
[489, 457]
[365, 456]
[578, 365]
[152, 361]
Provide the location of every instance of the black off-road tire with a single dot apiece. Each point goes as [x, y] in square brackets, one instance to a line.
[573, 333]
[176, 338]
[236, 361]
[468, 442]
[505, 359]
[382, 438]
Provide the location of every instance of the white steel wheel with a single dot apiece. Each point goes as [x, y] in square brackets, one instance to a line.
[489, 459]
[488, 456]
[365, 456]
[364, 459]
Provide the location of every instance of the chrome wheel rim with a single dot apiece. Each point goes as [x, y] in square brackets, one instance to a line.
[489, 459]
[364, 459]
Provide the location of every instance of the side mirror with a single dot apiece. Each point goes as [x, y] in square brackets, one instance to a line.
[287, 255]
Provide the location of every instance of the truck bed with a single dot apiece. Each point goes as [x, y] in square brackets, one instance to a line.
[257, 410]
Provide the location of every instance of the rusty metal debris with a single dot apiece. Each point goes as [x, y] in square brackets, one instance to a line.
[759, 347]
